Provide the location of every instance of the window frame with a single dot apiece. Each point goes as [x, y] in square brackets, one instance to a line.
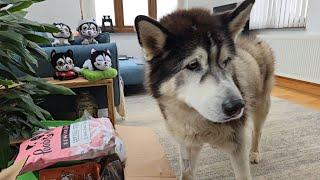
[119, 17]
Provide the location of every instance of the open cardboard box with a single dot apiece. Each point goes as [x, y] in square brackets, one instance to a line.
[146, 159]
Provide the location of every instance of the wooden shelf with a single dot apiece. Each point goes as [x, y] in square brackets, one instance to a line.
[82, 82]
[79, 82]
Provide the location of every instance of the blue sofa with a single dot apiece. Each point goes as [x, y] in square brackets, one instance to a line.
[59, 105]
[131, 71]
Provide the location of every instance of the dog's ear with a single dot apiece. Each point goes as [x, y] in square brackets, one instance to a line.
[70, 53]
[238, 18]
[152, 36]
[92, 51]
[53, 61]
[53, 53]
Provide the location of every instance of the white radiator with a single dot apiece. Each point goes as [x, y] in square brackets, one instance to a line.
[297, 57]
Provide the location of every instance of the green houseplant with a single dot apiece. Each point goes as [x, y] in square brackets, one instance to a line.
[20, 94]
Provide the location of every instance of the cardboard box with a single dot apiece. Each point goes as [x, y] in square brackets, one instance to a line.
[145, 157]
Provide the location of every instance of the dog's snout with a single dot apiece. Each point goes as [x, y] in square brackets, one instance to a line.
[232, 107]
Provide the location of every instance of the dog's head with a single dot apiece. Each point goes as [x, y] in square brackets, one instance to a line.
[88, 28]
[64, 31]
[62, 61]
[190, 54]
[101, 60]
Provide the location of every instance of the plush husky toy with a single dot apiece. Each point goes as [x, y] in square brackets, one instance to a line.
[63, 64]
[99, 60]
[62, 37]
[89, 30]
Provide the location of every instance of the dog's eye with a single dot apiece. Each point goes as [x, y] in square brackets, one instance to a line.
[60, 63]
[69, 61]
[226, 62]
[194, 65]
[93, 27]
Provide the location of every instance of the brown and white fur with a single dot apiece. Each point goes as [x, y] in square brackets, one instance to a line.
[209, 81]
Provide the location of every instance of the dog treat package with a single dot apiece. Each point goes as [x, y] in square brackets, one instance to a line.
[78, 141]
[106, 168]
[87, 171]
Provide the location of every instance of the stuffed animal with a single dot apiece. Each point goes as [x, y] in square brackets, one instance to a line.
[62, 37]
[63, 64]
[99, 60]
[89, 30]
[98, 66]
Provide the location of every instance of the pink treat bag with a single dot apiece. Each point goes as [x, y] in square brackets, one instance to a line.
[78, 141]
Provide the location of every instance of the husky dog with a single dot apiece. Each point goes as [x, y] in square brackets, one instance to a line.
[99, 60]
[64, 65]
[62, 37]
[88, 30]
[208, 81]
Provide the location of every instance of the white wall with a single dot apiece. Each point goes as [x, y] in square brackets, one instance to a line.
[68, 11]
[313, 22]
[50, 11]
[127, 44]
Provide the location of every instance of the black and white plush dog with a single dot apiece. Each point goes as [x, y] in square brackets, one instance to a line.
[99, 60]
[89, 30]
[64, 66]
[62, 37]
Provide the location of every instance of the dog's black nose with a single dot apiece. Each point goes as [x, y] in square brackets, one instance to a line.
[232, 107]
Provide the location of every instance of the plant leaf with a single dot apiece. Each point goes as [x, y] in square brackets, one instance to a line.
[6, 82]
[37, 50]
[36, 38]
[12, 37]
[11, 1]
[36, 122]
[7, 74]
[53, 89]
[26, 134]
[20, 6]
[5, 147]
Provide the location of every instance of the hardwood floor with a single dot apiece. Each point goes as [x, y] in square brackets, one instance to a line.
[304, 98]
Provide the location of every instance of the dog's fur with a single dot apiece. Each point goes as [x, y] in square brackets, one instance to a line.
[196, 62]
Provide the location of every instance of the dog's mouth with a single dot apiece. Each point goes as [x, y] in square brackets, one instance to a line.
[238, 114]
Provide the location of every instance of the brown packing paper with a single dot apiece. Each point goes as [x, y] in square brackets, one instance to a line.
[13, 171]
[146, 158]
